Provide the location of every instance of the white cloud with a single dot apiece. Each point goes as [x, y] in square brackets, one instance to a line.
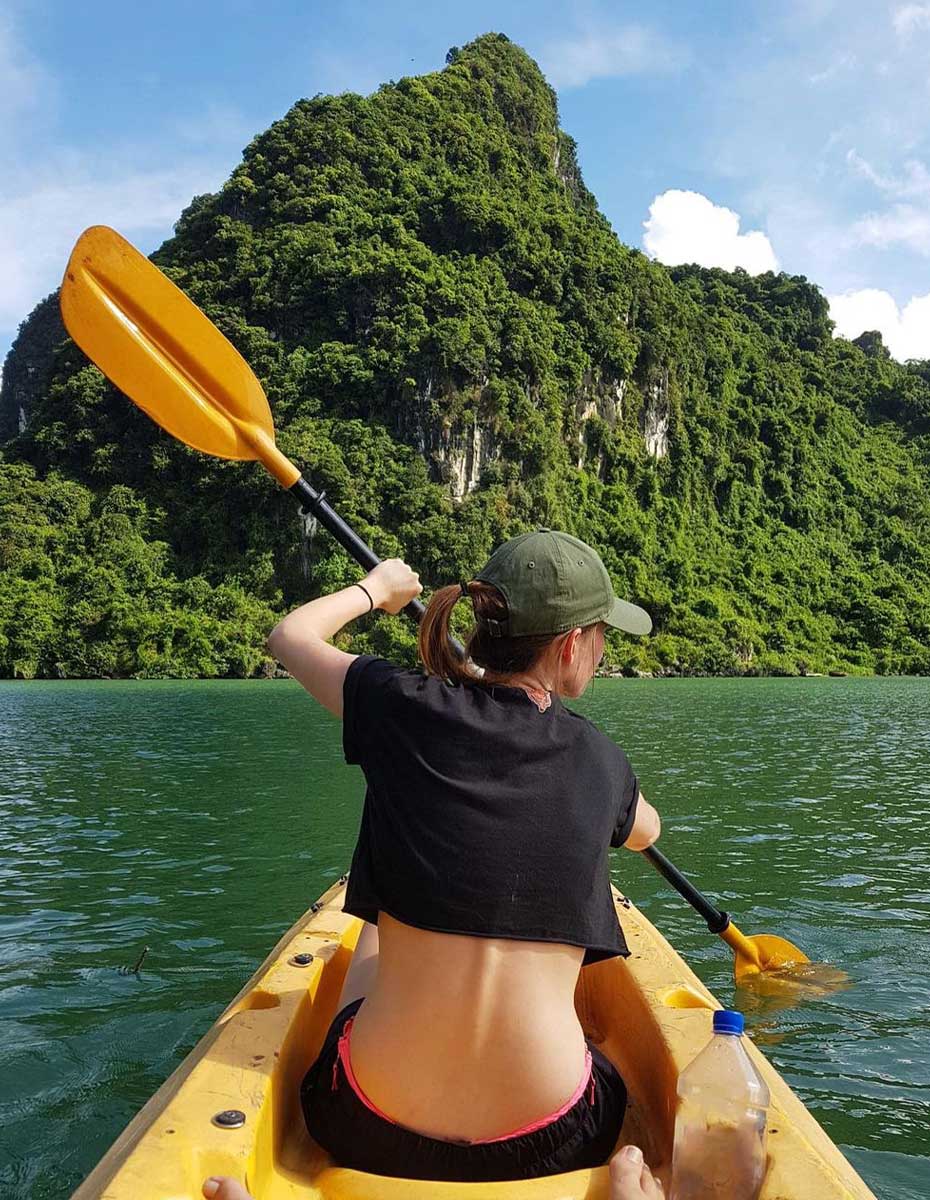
[910, 18]
[686, 227]
[786, 155]
[843, 62]
[40, 221]
[608, 53]
[905, 331]
[903, 225]
[915, 181]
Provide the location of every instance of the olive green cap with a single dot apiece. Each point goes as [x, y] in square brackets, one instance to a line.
[553, 582]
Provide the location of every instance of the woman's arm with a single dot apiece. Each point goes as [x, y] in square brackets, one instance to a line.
[300, 641]
[646, 826]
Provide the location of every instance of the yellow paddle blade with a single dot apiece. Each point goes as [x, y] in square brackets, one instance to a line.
[775, 969]
[777, 952]
[763, 952]
[165, 354]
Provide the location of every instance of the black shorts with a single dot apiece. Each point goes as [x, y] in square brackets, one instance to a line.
[359, 1138]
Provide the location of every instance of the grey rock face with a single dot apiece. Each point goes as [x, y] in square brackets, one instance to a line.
[656, 417]
[456, 451]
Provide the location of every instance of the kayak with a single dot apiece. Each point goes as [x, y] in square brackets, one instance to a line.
[232, 1106]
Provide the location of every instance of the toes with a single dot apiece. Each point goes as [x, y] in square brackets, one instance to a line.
[631, 1179]
[626, 1169]
[221, 1187]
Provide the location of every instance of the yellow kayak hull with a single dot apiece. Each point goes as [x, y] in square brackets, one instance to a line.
[649, 1013]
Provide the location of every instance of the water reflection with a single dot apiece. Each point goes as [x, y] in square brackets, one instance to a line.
[201, 819]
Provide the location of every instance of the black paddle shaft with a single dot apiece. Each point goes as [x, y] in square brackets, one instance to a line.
[717, 921]
[315, 502]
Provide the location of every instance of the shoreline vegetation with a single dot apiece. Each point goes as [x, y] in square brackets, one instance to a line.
[276, 672]
[457, 347]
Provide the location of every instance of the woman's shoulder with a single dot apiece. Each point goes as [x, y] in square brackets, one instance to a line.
[371, 670]
[594, 735]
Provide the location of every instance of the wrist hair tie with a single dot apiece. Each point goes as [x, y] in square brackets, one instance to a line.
[371, 603]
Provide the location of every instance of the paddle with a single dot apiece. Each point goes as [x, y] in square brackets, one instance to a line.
[751, 955]
[171, 360]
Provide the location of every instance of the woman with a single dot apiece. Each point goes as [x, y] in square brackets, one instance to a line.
[481, 869]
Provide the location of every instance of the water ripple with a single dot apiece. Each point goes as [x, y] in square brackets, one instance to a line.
[200, 819]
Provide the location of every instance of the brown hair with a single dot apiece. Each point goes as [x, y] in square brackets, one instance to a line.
[499, 656]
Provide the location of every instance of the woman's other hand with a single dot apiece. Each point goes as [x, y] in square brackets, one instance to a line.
[647, 826]
[392, 585]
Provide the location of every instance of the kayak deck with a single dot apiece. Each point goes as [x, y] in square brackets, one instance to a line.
[649, 1014]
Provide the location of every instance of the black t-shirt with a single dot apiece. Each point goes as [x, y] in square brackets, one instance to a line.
[483, 815]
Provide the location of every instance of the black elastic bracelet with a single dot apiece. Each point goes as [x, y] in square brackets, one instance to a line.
[371, 603]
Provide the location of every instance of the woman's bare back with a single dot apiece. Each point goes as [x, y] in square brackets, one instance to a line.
[467, 1038]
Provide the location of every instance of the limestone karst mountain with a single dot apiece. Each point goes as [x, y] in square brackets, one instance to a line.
[457, 346]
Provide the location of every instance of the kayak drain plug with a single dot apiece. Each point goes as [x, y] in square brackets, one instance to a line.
[230, 1118]
[301, 960]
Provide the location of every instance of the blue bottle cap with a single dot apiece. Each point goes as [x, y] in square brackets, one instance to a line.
[728, 1020]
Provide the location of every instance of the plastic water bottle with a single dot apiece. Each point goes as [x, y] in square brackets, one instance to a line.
[719, 1151]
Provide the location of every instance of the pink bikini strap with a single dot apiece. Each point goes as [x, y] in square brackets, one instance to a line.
[586, 1079]
[345, 1059]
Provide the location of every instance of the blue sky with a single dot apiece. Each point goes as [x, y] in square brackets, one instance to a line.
[792, 134]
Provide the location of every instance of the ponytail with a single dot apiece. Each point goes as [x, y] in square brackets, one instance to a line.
[434, 644]
[500, 657]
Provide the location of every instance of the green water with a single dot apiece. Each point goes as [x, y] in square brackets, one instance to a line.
[200, 819]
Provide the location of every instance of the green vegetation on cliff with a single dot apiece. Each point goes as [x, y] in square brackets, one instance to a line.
[457, 347]
[85, 590]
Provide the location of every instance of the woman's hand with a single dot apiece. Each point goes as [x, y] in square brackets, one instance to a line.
[392, 585]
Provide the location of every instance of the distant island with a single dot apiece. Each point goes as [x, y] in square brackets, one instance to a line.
[457, 347]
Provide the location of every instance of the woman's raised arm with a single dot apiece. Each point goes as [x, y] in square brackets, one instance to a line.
[300, 641]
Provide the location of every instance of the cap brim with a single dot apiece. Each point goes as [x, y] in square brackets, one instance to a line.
[629, 617]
